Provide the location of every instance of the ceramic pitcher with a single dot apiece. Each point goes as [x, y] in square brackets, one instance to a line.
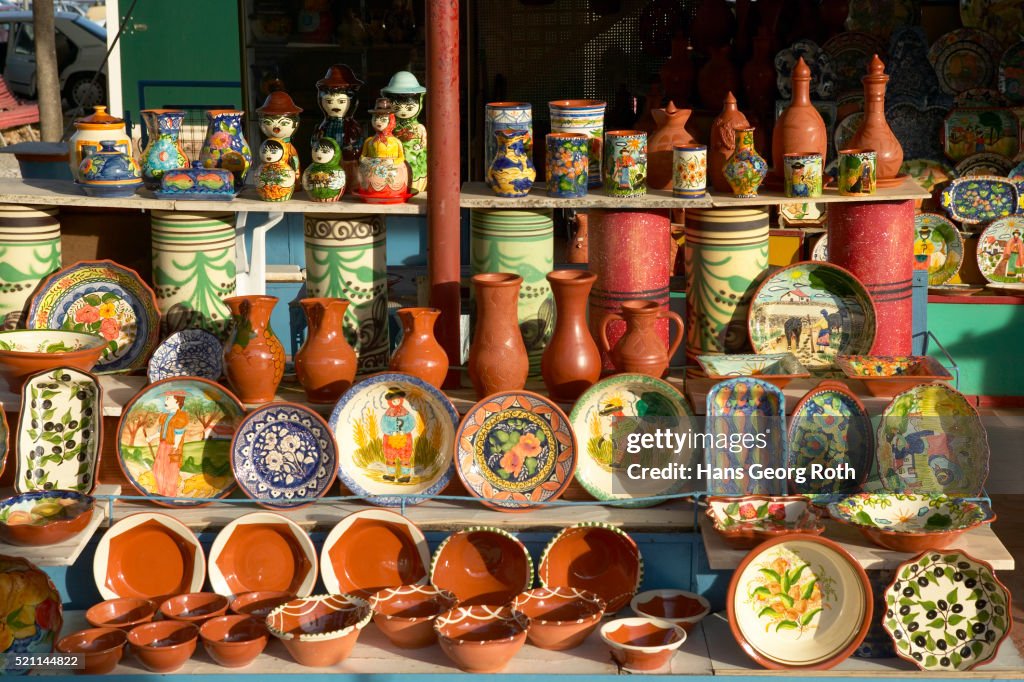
[420, 354]
[497, 355]
[326, 363]
[571, 363]
[164, 152]
[641, 350]
[253, 355]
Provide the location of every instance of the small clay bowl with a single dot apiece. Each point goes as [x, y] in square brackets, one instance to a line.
[684, 609]
[481, 639]
[194, 607]
[406, 614]
[260, 603]
[101, 648]
[642, 644]
[560, 618]
[124, 613]
[165, 645]
[320, 631]
[233, 641]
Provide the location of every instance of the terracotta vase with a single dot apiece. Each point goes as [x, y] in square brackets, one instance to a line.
[874, 132]
[497, 355]
[800, 128]
[718, 77]
[678, 73]
[758, 77]
[641, 349]
[253, 355]
[723, 141]
[671, 131]
[326, 363]
[571, 363]
[420, 354]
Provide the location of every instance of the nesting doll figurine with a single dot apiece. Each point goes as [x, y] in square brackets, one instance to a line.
[279, 118]
[336, 93]
[383, 175]
[324, 179]
[276, 179]
[406, 95]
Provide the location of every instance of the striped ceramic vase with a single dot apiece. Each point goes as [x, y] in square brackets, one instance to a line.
[29, 251]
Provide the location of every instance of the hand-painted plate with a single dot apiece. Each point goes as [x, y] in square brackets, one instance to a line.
[965, 58]
[823, 79]
[1011, 73]
[751, 411]
[284, 456]
[926, 172]
[1000, 18]
[482, 565]
[188, 353]
[946, 611]
[983, 164]
[174, 440]
[882, 17]
[776, 368]
[595, 557]
[938, 246]
[1000, 251]
[980, 199]
[813, 310]
[987, 130]
[262, 551]
[373, 549]
[602, 417]
[820, 251]
[931, 440]
[101, 297]
[31, 612]
[59, 431]
[850, 53]
[396, 438]
[746, 521]
[515, 450]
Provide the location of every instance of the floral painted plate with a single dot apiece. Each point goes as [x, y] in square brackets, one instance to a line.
[601, 418]
[931, 440]
[188, 353]
[983, 164]
[263, 551]
[799, 602]
[777, 368]
[814, 310]
[31, 612]
[747, 521]
[174, 441]
[515, 450]
[748, 410]
[59, 431]
[965, 58]
[594, 557]
[1000, 251]
[101, 297]
[283, 456]
[823, 78]
[980, 199]
[938, 246]
[886, 375]
[1011, 73]
[947, 611]
[482, 565]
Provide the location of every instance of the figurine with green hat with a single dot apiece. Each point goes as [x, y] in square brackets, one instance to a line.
[406, 95]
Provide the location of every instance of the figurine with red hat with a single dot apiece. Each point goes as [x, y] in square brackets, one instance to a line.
[279, 119]
[337, 97]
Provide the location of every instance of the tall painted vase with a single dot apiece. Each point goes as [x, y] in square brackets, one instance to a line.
[346, 258]
[30, 250]
[505, 116]
[253, 355]
[163, 152]
[584, 116]
[225, 145]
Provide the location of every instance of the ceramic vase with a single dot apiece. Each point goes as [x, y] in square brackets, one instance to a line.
[406, 95]
[276, 178]
[677, 73]
[722, 141]
[857, 172]
[511, 173]
[566, 160]
[640, 350]
[625, 163]
[718, 77]
[419, 353]
[800, 128]
[745, 170]
[584, 116]
[336, 95]
[253, 355]
[572, 362]
[497, 355]
[802, 175]
[164, 152]
[225, 145]
[689, 170]
[670, 133]
[874, 132]
[325, 364]
[506, 116]
[90, 131]
[31, 248]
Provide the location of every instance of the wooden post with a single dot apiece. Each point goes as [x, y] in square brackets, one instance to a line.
[51, 124]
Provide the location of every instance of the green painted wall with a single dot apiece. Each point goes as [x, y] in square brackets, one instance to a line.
[984, 340]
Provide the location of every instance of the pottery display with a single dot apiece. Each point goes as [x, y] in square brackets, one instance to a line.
[320, 631]
[406, 614]
[965, 58]
[625, 163]
[689, 170]
[262, 551]
[337, 96]
[745, 405]
[723, 142]
[109, 172]
[498, 358]
[481, 639]
[276, 178]
[802, 174]
[233, 641]
[163, 646]
[101, 648]
[671, 132]
[90, 131]
[586, 117]
[560, 618]
[194, 607]
[122, 613]
[642, 644]
[677, 607]
[187, 353]
[874, 132]
[1000, 251]
[371, 550]
[510, 116]
[383, 174]
[595, 557]
[639, 350]
[31, 609]
[325, 364]
[30, 238]
[253, 355]
[225, 145]
[887, 375]
[566, 164]
[324, 179]
[745, 170]
[196, 184]
[746, 521]
[571, 363]
[939, 247]
[1011, 73]
[800, 128]
[44, 517]
[482, 565]
[163, 151]
[419, 353]
[27, 352]
[775, 368]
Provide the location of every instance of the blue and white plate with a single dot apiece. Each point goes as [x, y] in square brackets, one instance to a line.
[284, 456]
[188, 353]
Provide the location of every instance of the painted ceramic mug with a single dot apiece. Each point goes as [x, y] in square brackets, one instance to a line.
[566, 161]
[803, 174]
[857, 172]
[625, 163]
[689, 170]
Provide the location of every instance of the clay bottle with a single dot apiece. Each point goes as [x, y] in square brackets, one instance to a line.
[326, 363]
[497, 355]
[718, 77]
[641, 350]
[723, 141]
[671, 130]
[874, 132]
[800, 128]
[420, 354]
[571, 362]
[253, 355]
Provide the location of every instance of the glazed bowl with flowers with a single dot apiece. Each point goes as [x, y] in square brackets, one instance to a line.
[194, 607]
[319, 631]
[907, 522]
[406, 614]
[233, 641]
[44, 517]
[163, 646]
[560, 617]
[123, 613]
[678, 607]
[101, 648]
[642, 644]
[746, 521]
[480, 638]
[887, 375]
[24, 352]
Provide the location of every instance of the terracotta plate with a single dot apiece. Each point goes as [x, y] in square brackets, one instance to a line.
[938, 247]
[373, 549]
[187, 353]
[482, 565]
[263, 551]
[595, 557]
[1000, 251]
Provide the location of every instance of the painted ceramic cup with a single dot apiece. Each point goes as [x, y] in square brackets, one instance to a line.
[584, 116]
[566, 162]
[857, 172]
[625, 163]
[803, 174]
[689, 170]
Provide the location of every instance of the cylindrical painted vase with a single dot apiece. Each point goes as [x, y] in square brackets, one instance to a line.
[505, 116]
[858, 172]
[30, 250]
[689, 170]
[802, 174]
[584, 116]
[566, 161]
[625, 163]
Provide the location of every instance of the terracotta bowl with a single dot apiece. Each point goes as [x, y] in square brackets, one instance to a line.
[44, 517]
[194, 607]
[406, 614]
[124, 613]
[560, 618]
[597, 558]
[233, 641]
[320, 631]
[684, 609]
[889, 375]
[642, 644]
[482, 565]
[24, 352]
[102, 648]
[165, 645]
[259, 603]
[481, 639]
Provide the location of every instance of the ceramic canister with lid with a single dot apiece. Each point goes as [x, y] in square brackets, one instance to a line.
[90, 131]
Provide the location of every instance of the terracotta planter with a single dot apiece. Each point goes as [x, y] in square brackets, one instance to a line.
[253, 355]
[670, 133]
[497, 356]
[326, 363]
[722, 141]
[874, 132]
[800, 128]
[420, 354]
[640, 350]
[572, 362]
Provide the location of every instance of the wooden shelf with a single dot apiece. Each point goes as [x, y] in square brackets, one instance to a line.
[908, 189]
[64, 553]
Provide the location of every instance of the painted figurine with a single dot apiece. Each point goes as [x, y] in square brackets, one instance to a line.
[397, 426]
[383, 176]
[337, 97]
[276, 179]
[167, 460]
[406, 95]
[279, 118]
[324, 179]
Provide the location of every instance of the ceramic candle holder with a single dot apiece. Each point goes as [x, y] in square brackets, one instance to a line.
[803, 174]
[858, 169]
[625, 163]
[689, 170]
[566, 160]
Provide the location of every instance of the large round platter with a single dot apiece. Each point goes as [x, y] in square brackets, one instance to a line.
[946, 611]
[263, 551]
[515, 450]
[283, 455]
[965, 58]
[815, 630]
[1000, 251]
[938, 244]
[397, 447]
[482, 565]
[148, 556]
[595, 557]
[813, 310]
[31, 612]
[187, 353]
[174, 441]
[101, 297]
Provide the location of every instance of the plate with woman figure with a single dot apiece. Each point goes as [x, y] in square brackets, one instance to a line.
[1001, 251]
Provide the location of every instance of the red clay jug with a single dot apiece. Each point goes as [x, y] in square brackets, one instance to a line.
[800, 129]
[874, 132]
[497, 355]
[671, 130]
[571, 363]
[641, 350]
[253, 355]
[723, 142]
[326, 363]
[420, 354]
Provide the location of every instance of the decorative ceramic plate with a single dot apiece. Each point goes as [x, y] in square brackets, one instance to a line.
[283, 455]
[846, 129]
[850, 53]
[148, 556]
[373, 549]
[927, 172]
[803, 213]
[1000, 251]
[981, 130]
[887, 375]
[918, 129]
[515, 450]
[748, 410]
[820, 251]
[938, 246]
[999, 18]
[31, 612]
[188, 353]
[983, 164]
[777, 368]
[174, 441]
[1016, 174]
[882, 17]
[59, 431]
[799, 602]
[482, 565]
[1011, 73]
[814, 310]
[965, 58]
[395, 447]
[980, 98]
[931, 440]
[823, 79]
[980, 199]
[595, 557]
[263, 551]
[746, 521]
[947, 611]
[101, 297]
[911, 76]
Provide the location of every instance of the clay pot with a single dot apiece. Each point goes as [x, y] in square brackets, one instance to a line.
[420, 354]
[671, 131]
[481, 639]
[723, 141]
[718, 77]
[194, 607]
[326, 363]
[253, 355]
[320, 631]
[259, 603]
[684, 609]
[165, 645]
[497, 357]
[641, 350]
[101, 648]
[800, 128]
[639, 644]
[678, 73]
[20, 357]
[874, 132]
[124, 613]
[572, 362]
[233, 641]
[560, 618]
[406, 614]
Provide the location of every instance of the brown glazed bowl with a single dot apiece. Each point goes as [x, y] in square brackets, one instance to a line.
[684, 609]
[194, 607]
[481, 639]
[233, 641]
[642, 644]
[24, 352]
[101, 647]
[165, 645]
[124, 613]
[406, 614]
[259, 603]
[320, 631]
[561, 617]
[44, 517]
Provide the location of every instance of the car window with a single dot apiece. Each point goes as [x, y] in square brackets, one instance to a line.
[5, 33]
[26, 40]
[92, 27]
